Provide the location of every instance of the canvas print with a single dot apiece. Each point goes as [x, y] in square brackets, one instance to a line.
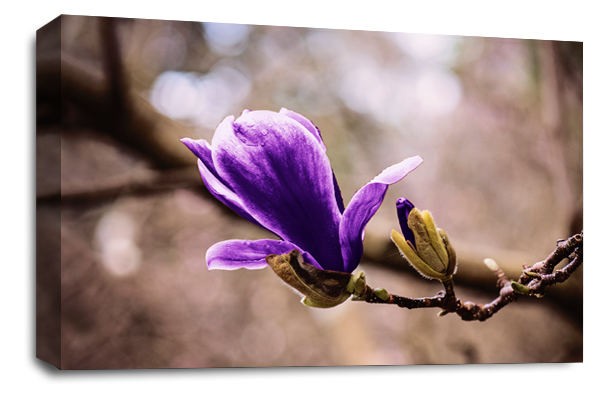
[226, 195]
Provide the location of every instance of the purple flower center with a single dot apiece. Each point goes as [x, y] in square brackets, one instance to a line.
[404, 207]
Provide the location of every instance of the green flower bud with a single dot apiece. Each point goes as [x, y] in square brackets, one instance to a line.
[382, 294]
[521, 289]
[491, 264]
[357, 284]
[427, 248]
[531, 274]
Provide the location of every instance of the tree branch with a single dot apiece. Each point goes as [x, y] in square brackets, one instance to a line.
[532, 282]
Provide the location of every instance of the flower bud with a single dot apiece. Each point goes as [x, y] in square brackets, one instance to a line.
[491, 264]
[357, 284]
[521, 289]
[321, 288]
[426, 247]
[382, 294]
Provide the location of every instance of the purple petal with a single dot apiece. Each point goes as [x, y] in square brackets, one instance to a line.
[404, 207]
[213, 182]
[307, 124]
[281, 173]
[337, 195]
[396, 172]
[203, 151]
[364, 205]
[316, 132]
[249, 254]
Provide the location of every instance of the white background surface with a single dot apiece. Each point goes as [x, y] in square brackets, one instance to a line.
[24, 377]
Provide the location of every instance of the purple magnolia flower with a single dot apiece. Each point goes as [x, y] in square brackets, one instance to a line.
[272, 169]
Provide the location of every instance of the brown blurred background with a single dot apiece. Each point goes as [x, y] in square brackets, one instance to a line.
[124, 221]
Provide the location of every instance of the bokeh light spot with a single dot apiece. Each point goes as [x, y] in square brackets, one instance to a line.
[115, 236]
[226, 39]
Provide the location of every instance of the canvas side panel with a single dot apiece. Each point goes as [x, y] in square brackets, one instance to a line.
[48, 113]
